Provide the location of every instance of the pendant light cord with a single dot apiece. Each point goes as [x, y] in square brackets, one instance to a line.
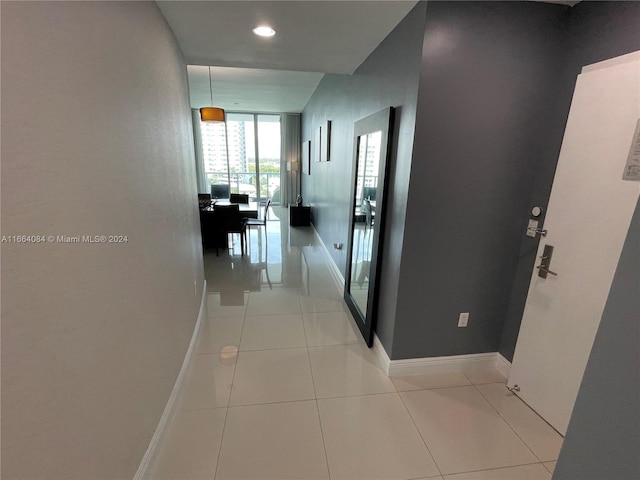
[210, 87]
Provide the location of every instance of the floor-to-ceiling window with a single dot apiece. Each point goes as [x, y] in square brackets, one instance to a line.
[245, 154]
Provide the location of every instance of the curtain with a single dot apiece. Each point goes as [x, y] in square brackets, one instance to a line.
[203, 184]
[290, 155]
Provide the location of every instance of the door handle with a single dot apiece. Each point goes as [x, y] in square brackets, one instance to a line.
[545, 262]
[544, 270]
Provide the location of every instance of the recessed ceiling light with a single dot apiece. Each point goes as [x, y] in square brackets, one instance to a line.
[264, 31]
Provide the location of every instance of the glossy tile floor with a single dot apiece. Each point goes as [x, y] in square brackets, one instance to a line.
[281, 386]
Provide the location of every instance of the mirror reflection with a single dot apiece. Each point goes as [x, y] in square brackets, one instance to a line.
[368, 161]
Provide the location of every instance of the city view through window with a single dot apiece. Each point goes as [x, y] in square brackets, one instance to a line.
[252, 167]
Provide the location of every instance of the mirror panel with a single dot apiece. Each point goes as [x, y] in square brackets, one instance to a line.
[368, 162]
[371, 153]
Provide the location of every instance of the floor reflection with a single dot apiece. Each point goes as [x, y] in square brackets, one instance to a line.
[277, 257]
[361, 264]
[281, 385]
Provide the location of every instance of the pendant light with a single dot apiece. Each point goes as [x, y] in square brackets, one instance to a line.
[212, 114]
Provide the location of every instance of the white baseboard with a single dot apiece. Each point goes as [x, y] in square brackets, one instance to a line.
[333, 268]
[416, 366]
[381, 354]
[169, 408]
[503, 365]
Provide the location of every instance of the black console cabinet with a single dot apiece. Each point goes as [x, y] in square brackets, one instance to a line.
[299, 216]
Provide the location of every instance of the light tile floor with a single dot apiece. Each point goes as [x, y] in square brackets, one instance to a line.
[281, 386]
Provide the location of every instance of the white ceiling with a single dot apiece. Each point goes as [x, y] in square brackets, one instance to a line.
[277, 74]
[251, 89]
[312, 36]
[280, 73]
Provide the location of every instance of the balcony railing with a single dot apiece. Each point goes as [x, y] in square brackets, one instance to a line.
[245, 182]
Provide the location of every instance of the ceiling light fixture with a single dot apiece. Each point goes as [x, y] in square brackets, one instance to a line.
[264, 31]
[212, 114]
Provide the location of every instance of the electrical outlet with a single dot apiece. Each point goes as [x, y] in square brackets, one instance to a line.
[463, 319]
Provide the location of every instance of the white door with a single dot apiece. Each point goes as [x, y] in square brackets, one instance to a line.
[587, 220]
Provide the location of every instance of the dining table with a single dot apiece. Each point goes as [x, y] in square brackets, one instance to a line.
[247, 210]
[213, 234]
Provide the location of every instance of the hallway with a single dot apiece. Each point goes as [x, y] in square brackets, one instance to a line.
[281, 386]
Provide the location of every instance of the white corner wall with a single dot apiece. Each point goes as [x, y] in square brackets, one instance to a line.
[96, 140]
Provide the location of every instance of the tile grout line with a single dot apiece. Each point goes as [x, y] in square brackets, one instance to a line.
[433, 388]
[201, 409]
[496, 468]
[419, 433]
[315, 394]
[305, 400]
[470, 471]
[525, 404]
[306, 340]
[502, 417]
[508, 423]
[233, 378]
[235, 367]
[224, 426]
[272, 349]
[281, 402]
[543, 464]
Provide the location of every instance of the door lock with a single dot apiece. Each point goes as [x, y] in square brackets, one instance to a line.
[533, 230]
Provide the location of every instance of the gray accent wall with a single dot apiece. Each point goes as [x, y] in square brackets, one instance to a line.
[603, 438]
[389, 77]
[494, 85]
[483, 126]
[596, 31]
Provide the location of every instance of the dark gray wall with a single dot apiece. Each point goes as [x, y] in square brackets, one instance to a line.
[389, 77]
[601, 30]
[603, 438]
[597, 31]
[495, 86]
[483, 125]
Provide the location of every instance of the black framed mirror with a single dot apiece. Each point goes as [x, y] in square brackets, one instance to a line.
[368, 188]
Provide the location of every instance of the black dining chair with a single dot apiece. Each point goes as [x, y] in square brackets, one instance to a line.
[260, 222]
[232, 222]
[239, 198]
[261, 263]
[370, 214]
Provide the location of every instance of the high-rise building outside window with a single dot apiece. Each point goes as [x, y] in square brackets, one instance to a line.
[252, 167]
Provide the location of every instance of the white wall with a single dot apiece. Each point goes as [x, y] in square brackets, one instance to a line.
[96, 140]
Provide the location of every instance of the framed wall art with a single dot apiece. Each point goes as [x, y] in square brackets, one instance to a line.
[325, 144]
[316, 148]
[306, 157]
